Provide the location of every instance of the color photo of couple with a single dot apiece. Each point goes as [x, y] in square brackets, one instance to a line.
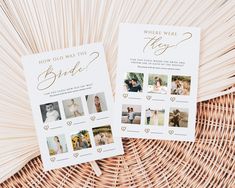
[131, 114]
[133, 82]
[178, 117]
[154, 117]
[157, 84]
[180, 85]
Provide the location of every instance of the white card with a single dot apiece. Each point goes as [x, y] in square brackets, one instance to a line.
[157, 78]
[72, 104]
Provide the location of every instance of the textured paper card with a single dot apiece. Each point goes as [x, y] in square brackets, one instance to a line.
[157, 78]
[72, 104]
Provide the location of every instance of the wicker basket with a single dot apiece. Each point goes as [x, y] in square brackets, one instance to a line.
[209, 162]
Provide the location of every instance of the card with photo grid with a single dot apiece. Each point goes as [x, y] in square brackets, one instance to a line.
[72, 103]
[157, 78]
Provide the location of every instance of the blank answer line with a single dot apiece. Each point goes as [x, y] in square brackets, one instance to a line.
[55, 127]
[156, 132]
[85, 154]
[62, 159]
[134, 98]
[102, 118]
[158, 99]
[181, 134]
[79, 122]
[109, 149]
[183, 101]
[133, 131]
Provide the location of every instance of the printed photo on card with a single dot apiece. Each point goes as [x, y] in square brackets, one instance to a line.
[72, 103]
[156, 83]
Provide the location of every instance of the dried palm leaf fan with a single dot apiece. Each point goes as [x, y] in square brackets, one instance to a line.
[31, 26]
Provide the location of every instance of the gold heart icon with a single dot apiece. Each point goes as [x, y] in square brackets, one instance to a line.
[146, 130]
[172, 99]
[148, 97]
[69, 123]
[123, 128]
[75, 155]
[52, 159]
[171, 132]
[92, 118]
[125, 95]
[99, 150]
[46, 127]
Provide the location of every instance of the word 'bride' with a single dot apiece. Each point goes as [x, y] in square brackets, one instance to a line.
[49, 76]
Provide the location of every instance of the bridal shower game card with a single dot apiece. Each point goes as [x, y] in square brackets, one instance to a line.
[72, 104]
[157, 78]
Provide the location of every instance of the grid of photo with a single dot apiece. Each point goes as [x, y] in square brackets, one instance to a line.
[73, 108]
[101, 135]
[158, 84]
[131, 114]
